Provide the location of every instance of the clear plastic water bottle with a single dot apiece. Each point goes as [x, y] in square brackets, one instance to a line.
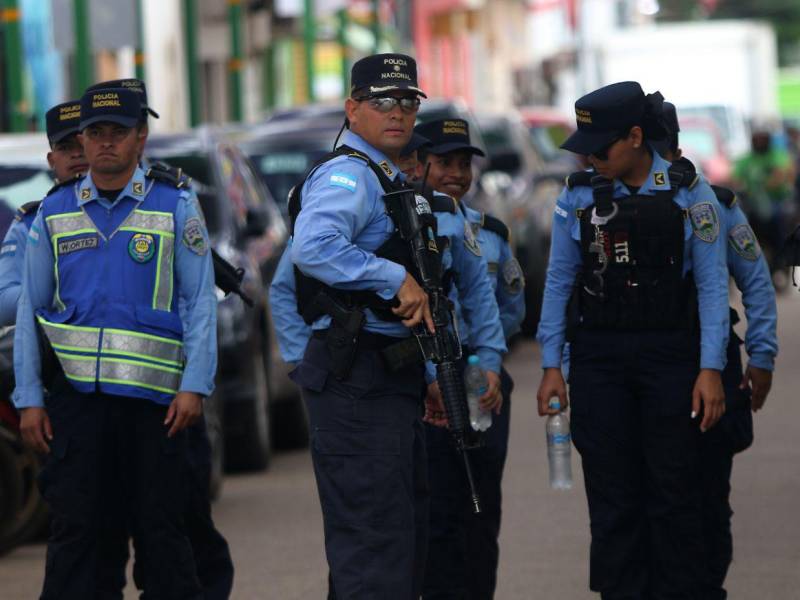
[476, 384]
[559, 449]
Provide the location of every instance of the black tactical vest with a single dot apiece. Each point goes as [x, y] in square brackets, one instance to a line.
[632, 250]
[394, 249]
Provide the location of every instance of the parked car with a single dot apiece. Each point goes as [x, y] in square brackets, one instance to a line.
[702, 143]
[260, 404]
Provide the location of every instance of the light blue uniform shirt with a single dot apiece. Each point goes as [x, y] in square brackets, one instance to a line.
[342, 223]
[505, 274]
[12, 260]
[751, 274]
[194, 277]
[292, 331]
[706, 259]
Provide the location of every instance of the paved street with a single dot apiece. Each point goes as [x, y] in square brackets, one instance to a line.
[273, 523]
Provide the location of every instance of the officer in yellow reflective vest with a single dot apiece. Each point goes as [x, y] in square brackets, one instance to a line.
[119, 278]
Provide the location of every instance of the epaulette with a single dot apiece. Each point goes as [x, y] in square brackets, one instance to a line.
[27, 208]
[725, 196]
[495, 225]
[160, 171]
[578, 179]
[61, 184]
[442, 203]
[682, 173]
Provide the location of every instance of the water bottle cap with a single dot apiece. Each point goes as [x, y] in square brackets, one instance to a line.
[555, 403]
[474, 359]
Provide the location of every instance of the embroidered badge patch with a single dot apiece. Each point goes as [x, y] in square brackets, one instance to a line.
[344, 180]
[744, 242]
[33, 235]
[86, 194]
[561, 212]
[142, 247]
[68, 246]
[386, 168]
[193, 237]
[513, 279]
[8, 249]
[704, 221]
[138, 189]
[423, 207]
[470, 241]
[659, 178]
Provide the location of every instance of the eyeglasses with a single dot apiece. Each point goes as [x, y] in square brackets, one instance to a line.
[602, 154]
[385, 104]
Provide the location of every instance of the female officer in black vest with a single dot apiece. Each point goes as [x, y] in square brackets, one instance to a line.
[637, 274]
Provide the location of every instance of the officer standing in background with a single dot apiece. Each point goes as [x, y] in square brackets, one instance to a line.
[210, 549]
[463, 552]
[636, 254]
[743, 391]
[367, 440]
[67, 161]
[119, 278]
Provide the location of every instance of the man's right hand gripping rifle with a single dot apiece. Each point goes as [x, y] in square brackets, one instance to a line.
[438, 337]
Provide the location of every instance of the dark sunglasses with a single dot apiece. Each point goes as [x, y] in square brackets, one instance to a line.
[385, 104]
[602, 154]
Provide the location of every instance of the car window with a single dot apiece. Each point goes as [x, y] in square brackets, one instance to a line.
[19, 185]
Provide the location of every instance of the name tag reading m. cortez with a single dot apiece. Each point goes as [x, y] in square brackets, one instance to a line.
[73, 245]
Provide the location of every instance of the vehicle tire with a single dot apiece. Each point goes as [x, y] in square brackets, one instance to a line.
[33, 514]
[216, 438]
[11, 494]
[290, 424]
[251, 450]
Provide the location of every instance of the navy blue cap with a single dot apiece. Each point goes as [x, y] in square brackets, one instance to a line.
[113, 105]
[137, 85]
[381, 73]
[604, 114]
[63, 120]
[447, 135]
[417, 142]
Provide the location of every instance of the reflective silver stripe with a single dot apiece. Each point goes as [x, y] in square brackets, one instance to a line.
[58, 224]
[142, 346]
[154, 221]
[162, 295]
[71, 337]
[82, 368]
[122, 372]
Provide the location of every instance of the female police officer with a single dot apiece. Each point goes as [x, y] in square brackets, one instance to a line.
[636, 255]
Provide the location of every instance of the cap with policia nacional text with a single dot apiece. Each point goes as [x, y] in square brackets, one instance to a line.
[381, 73]
[447, 135]
[63, 120]
[114, 105]
[604, 115]
[137, 85]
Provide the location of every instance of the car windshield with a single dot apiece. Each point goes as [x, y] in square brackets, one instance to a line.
[282, 162]
[21, 184]
[198, 167]
[698, 143]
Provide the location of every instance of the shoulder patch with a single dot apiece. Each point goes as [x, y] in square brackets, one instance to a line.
[725, 196]
[193, 236]
[579, 178]
[27, 208]
[561, 211]
[744, 242]
[496, 226]
[470, 241]
[705, 221]
[343, 180]
[513, 278]
[659, 178]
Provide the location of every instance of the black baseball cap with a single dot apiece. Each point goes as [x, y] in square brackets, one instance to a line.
[417, 142]
[604, 114]
[137, 85]
[63, 120]
[380, 73]
[447, 135]
[113, 105]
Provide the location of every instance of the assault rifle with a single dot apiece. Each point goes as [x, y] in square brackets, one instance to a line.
[417, 225]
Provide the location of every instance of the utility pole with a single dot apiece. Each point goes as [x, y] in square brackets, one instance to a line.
[235, 63]
[190, 41]
[9, 19]
[309, 40]
[376, 25]
[344, 20]
[84, 68]
[138, 56]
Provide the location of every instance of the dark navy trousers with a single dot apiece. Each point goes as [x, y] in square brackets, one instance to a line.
[368, 451]
[106, 447]
[463, 553]
[631, 395]
[734, 433]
